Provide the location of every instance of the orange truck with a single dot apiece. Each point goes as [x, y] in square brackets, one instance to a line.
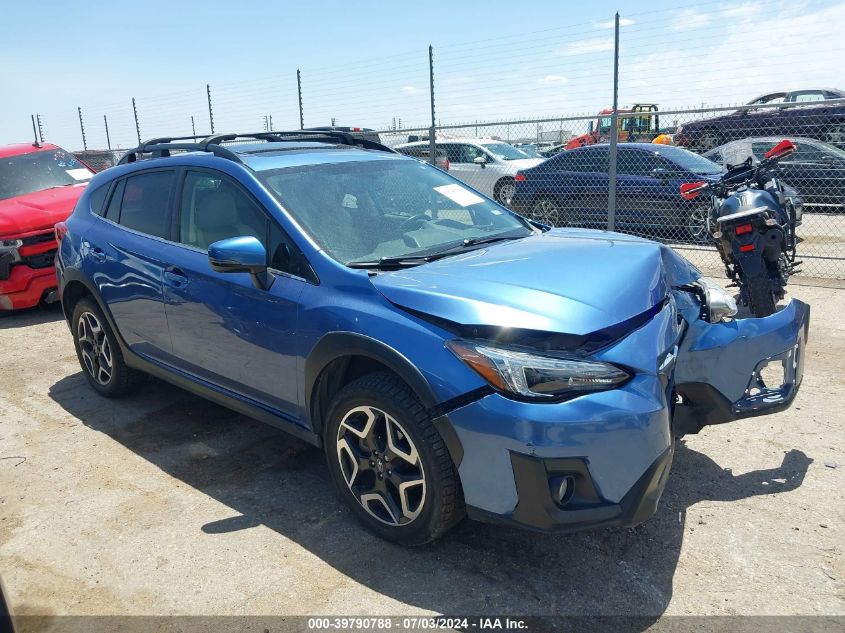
[639, 123]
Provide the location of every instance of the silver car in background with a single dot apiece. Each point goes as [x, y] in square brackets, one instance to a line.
[486, 164]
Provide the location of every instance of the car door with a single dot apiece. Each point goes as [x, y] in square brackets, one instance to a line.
[645, 197]
[123, 257]
[462, 166]
[588, 183]
[225, 330]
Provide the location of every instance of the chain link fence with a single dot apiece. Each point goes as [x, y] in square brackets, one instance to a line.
[557, 171]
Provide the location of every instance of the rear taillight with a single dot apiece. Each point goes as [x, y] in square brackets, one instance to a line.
[520, 177]
[60, 230]
[744, 228]
[746, 248]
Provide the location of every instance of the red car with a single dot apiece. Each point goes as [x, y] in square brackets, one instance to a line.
[39, 186]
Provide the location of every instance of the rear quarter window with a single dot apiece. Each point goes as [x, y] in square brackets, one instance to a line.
[145, 203]
[97, 199]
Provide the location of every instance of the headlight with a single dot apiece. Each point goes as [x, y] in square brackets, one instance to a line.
[536, 376]
[11, 246]
[718, 303]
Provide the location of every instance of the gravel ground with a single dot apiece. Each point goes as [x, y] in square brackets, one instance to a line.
[162, 503]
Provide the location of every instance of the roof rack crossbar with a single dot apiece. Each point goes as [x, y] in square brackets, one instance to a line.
[160, 147]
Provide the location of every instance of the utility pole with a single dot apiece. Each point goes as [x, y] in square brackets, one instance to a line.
[82, 129]
[137, 125]
[193, 126]
[432, 147]
[210, 111]
[108, 139]
[614, 133]
[270, 117]
[299, 92]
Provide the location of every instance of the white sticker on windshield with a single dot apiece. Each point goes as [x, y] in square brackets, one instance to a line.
[456, 193]
[79, 174]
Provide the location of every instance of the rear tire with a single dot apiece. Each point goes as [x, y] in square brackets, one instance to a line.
[504, 191]
[388, 462]
[707, 140]
[762, 300]
[99, 352]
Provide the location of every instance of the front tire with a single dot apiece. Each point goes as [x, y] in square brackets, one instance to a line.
[99, 352]
[547, 210]
[388, 462]
[708, 139]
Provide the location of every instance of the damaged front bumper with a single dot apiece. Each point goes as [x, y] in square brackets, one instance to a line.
[615, 447]
[739, 369]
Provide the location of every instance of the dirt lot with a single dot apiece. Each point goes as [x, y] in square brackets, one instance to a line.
[162, 503]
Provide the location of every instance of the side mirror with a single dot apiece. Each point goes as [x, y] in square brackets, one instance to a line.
[781, 150]
[243, 254]
[480, 160]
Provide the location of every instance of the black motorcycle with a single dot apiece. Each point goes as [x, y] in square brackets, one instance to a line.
[752, 219]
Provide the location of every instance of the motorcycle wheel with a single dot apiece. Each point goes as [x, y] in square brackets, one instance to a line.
[761, 298]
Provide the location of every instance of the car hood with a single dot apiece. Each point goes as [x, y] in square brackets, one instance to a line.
[568, 281]
[37, 211]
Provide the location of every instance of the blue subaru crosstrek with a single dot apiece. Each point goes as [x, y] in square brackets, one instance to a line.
[451, 357]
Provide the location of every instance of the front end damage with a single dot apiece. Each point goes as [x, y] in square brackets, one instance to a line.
[600, 458]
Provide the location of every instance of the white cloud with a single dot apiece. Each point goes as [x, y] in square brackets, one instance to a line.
[553, 80]
[609, 24]
[741, 10]
[412, 90]
[583, 47]
[690, 19]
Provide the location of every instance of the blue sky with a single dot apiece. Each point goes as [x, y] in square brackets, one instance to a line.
[365, 63]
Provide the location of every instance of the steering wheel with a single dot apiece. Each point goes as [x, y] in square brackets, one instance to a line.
[414, 221]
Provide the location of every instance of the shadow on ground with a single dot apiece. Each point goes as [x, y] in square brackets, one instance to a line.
[31, 316]
[270, 478]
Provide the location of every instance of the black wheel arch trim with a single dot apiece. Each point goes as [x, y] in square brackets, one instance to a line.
[335, 345]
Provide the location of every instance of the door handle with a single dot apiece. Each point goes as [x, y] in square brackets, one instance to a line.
[175, 277]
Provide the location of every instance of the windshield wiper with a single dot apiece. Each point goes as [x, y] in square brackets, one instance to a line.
[405, 261]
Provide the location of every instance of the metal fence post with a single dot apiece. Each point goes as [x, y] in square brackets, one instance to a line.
[299, 93]
[432, 147]
[40, 128]
[106, 122]
[614, 133]
[193, 126]
[137, 125]
[82, 129]
[34, 131]
[210, 111]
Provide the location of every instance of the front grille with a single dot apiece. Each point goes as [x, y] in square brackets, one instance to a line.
[41, 260]
[38, 239]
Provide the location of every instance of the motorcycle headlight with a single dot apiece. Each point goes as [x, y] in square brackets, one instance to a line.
[718, 303]
[536, 376]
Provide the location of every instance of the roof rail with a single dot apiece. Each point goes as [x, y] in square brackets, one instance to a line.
[160, 147]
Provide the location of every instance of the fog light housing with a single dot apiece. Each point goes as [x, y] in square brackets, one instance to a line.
[561, 488]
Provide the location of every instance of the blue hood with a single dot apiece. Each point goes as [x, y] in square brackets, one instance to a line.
[568, 281]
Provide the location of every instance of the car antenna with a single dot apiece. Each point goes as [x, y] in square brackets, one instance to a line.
[35, 132]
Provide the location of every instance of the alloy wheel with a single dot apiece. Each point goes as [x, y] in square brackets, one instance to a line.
[546, 211]
[94, 348]
[506, 192]
[697, 224]
[381, 465]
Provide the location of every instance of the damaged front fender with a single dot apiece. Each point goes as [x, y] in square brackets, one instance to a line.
[741, 368]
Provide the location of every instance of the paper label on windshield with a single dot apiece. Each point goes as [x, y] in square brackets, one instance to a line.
[79, 174]
[456, 193]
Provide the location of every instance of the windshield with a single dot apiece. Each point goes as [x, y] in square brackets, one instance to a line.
[368, 210]
[505, 151]
[36, 171]
[689, 161]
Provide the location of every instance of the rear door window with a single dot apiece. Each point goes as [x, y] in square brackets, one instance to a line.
[145, 203]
